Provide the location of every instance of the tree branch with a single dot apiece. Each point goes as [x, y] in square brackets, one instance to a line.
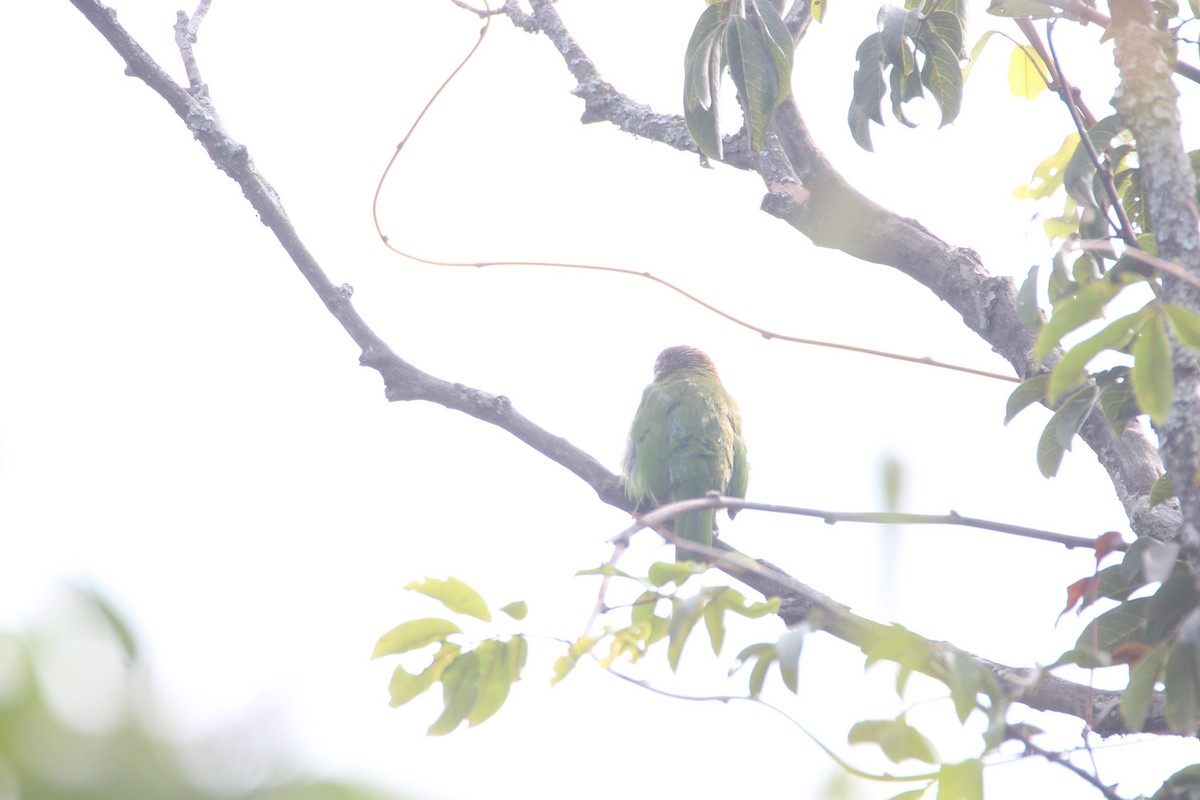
[403, 381]
[834, 214]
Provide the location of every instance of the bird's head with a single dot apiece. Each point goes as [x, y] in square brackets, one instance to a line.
[680, 357]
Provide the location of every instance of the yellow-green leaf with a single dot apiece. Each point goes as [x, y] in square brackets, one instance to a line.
[788, 651]
[1153, 372]
[1026, 73]
[460, 687]
[404, 686]
[516, 610]
[413, 635]
[1086, 305]
[1161, 490]
[1185, 323]
[454, 595]
[1069, 371]
[1135, 701]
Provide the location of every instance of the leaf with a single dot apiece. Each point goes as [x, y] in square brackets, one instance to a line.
[677, 572]
[1182, 679]
[962, 781]
[869, 89]
[1086, 305]
[413, 635]
[699, 107]
[1020, 8]
[778, 40]
[1026, 72]
[517, 609]
[1069, 372]
[1027, 305]
[1183, 785]
[1161, 491]
[1185, 323]
[579, 648]
[1030, 391]
[1047, 176]
[788, 651]
[714, 622]
[684, 617]
[942, 74]
[1080, 170]
[753, 74]
[404, 686]
[898, 740]
[1135, 701]
[454, 595]
[500, 667]
[1115, 627]
[460, 687]
[1153, 372]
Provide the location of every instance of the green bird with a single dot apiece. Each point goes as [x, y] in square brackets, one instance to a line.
[686, 441]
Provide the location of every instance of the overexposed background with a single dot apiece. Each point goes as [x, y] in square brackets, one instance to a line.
[185, 427]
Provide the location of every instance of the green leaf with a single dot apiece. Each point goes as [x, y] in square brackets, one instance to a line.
[454, 595]
[1116, 398]
[788, 651]
[684, 617]
[1047, 176]
[1026, 73]
[714, 622]
[404, 686]
[898, 740]
[1153, 372]
[460, 688]
[1068, 419]
[1080, 170]
[1182, 679]
[963, 781]
[1030, 391]
[1086, 305]
[753, 74]
[517, 609]
[1185, 323]
[869, 89]
[1161, 491]
[1020, 8]
[1135, 701]
[778, 40]
[676, 572]
[1028, 310]
[578, 649]
[500, 667]
[413, 635]
[1069, 371]
[702, 79]
[758, 675]
[1122, 625]
[942, 74]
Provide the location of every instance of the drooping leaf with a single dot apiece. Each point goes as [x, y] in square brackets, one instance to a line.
[500, 667]
[1028, 310]
[460, 688]
[962, 781]
[1080, 170]
[684, 617]
[1185, 323]
[898, 740]
[1027, 73]
[754, 75]
[778, 41]
[1069, 371]
[1115, 627]
[454, 595]
[413, 635]
[1135, 702]
[788, 651]
[578, 649]
[1029, 391]
[942, 74]
[1153, 371]
[1061, 429]
[1182, 679]
[869, 90]
[1086, 305]
[404, 686]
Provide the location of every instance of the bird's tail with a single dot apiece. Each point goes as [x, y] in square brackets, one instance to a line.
[694, 526]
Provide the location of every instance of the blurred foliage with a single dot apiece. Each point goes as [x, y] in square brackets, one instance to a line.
[76, 722]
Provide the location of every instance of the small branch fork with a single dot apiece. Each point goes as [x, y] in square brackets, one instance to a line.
[404, 381]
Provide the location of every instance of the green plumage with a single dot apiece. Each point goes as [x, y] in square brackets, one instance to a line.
[686, 441]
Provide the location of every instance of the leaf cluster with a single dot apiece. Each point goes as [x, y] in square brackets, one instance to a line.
[748, 38]
[917, 48]
[475, 681]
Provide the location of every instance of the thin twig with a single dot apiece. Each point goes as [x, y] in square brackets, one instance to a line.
[661, 515]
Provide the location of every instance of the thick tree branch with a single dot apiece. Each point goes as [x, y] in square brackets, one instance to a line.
[403, 381]
[833, 214]
[1148, 101]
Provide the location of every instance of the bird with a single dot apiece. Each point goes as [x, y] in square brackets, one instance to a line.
[685, 441]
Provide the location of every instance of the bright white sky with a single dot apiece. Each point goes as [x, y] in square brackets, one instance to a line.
[184, 426]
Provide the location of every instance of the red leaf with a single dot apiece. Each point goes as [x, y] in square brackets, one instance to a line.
[1077, 591]
[1130, 653]
[1107, 543]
